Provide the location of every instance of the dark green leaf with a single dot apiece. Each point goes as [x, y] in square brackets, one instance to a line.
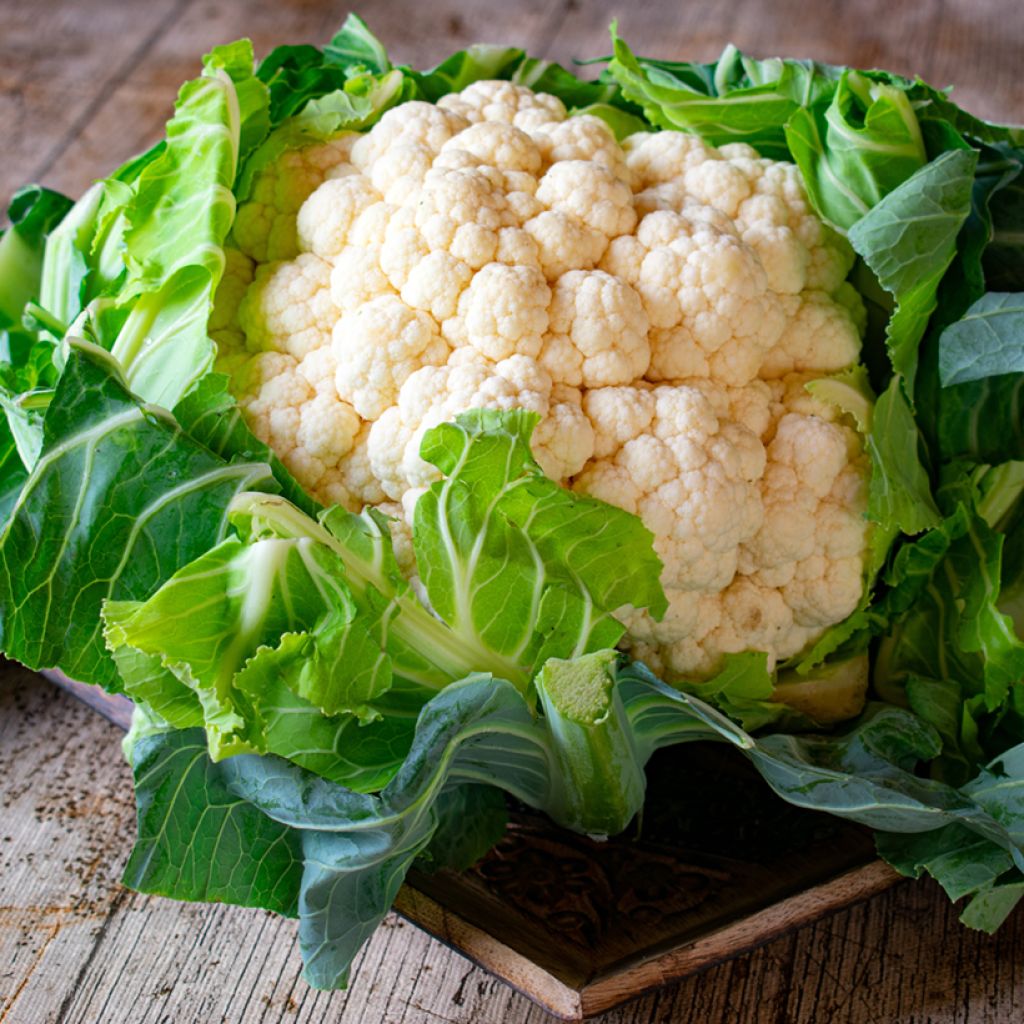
[119, 499]
[988, 341]
[909, 240]
[197, 840]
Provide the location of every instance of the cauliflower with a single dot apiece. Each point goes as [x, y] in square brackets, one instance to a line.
[668, 458]
[660, 304]
[265, 227]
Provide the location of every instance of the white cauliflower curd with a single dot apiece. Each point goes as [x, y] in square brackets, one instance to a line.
[659, 303]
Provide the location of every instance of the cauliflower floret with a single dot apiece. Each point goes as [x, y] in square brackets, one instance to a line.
[657, 157]
[745, 616]
[706, 295]
[582, 138]
[399, 172]
[418, 123]
[288, 307]
[356, 477]
[461, 212]
[356, 279]
[311, 432]
[597, 335]
[436, 283]
[591, 194]
[469, 380]
[679, 471]
[499, 145]
[503, 101]
[563, 441]
[223, 325]
[378, 347]
[820, 336]
[264, 227]
[326, 218]
[503, 312]
[806, 459]
[563, 243]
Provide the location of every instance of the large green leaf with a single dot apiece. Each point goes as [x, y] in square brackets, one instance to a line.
[909, 240]
[119, 499]
[734, 100]
[854, 151]
[900, 494]
[987, 341]
[273, 611]
[515, 564]
[581, 761]
[199, 841]
[964, 863]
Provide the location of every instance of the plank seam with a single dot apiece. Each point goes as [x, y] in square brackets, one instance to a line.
[103, 97]
[115, 905]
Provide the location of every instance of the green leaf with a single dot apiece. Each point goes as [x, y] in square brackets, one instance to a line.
[33, 212]
[949, 644]
[909, 240]
[463, 68]
[236, 60]
[987, 341]
[991, 907]
[12, 473]
[210, 414]
[479, 731]
[145, 679]
[965, 864]
[582, 761]
[742, 689]
[497, 536]
[471, 819]
[176, 216]
[734, 100]
[197, 840]
[354, 43]
[961, 862]
[182, 208]
[857, 149]
[579, 96]
[119, 499]
[900, 494]
[274, 610]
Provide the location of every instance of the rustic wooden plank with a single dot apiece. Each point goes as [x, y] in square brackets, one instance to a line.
[129, 116]
[59, 62]
[63, 812]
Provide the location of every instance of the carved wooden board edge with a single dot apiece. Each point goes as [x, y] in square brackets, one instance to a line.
[616, 986]
[112, 707]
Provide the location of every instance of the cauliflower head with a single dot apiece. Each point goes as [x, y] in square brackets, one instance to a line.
[659, 303]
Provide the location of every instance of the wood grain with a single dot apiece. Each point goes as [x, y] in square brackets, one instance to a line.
[85, 83]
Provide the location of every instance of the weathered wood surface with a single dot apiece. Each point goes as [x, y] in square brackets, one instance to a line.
[76, 947]
[85, 83]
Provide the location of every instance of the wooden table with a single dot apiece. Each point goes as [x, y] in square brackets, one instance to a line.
[86, 83]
